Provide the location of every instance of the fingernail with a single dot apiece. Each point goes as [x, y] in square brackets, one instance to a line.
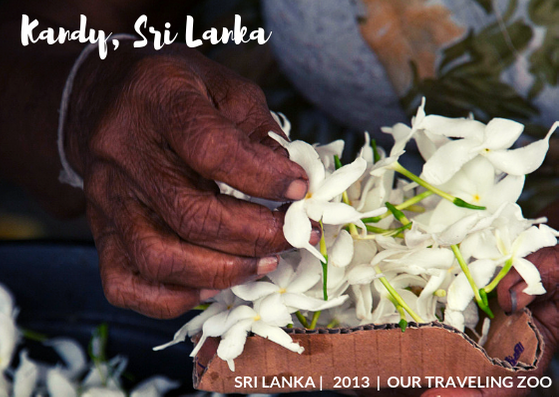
[513, 301]
[296, 190]
[315, 236]
[267, 265]
[206, 294]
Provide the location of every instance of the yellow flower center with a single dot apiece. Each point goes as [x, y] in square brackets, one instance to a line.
[257, 317]
[282, 291]
[476, 198]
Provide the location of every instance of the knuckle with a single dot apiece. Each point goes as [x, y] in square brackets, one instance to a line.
[152, 258]
[226, 275]
[199, 219]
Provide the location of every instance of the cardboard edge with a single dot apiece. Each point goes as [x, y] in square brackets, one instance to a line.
[213, 374]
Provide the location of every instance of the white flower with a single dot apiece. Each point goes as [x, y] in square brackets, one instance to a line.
[290, 286]
[25, 377]
[327, 153]
[105, 376]
[317, 204]
[475, 138]
[385, 311]
[155, 386]
[8, 329]
[58, 385]
[72, 354]
[476, 183]
[265, 319]
[223, 303]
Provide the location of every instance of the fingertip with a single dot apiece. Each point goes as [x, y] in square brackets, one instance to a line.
[316, 234]
[296, 190]
[206, 294]
[267, 265]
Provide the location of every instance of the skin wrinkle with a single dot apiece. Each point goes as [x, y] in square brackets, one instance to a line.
[148, 166]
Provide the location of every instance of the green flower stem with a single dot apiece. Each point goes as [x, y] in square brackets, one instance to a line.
[396, 166]
[389, 232]
[376, 154]
[33, 335]
[324, 252]
[102, 332]
[408, 204]
[302, 319]
[403, 322]
[314, 320]
[396, 296]
[399, 215]
[482, 303]
[333, 323]
[493, 284]
[202, 306]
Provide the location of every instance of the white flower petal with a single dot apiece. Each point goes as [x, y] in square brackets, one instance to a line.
[454, 318]
[524, 160]
[327, 153]
[8, 340]
[155, 386]
[100, 391]
[338, 182]
[427, 301]
[282, 121]
[282, 276]
[448, 160]
[59, 385]
[303, 302]
[6, 301]
[254, 290]
[272, 309]
[308, 273]
[276, 335]
[71, 353]
[25, 378]
[453, 127]
[507, 190]
[362, 274]
[501, 133]
[220, 323]
[297, 228]
[532, 240]
[341, 252]
[233, 342]
[529, 272]
[363, 301]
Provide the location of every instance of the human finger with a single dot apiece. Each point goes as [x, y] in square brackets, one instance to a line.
[125, 287]
[218, 150]
[160, 255]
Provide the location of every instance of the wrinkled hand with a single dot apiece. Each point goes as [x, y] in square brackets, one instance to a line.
[544, 310]
[150, 133]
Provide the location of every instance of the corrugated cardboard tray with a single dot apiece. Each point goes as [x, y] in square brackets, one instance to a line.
[374, 356]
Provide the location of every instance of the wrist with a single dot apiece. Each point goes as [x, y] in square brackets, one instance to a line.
[90, 92]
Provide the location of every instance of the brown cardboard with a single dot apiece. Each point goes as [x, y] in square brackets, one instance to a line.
[374, 356]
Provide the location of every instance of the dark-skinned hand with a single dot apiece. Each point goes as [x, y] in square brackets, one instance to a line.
[150, 133]
[544, 310]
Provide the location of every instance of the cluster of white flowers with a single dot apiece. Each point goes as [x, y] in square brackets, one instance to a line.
[424, 248]
[74, 376]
